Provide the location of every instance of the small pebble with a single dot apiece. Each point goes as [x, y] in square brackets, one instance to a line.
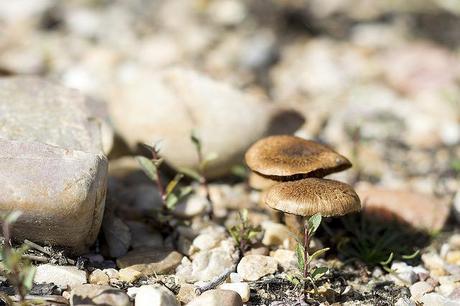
[418, 289]
[241, 288]
[129, 275]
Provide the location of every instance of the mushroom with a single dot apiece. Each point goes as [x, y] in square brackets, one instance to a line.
[288, 158]
[310, 196]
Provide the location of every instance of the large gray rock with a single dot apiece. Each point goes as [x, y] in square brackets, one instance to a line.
[51, 165]
[149, 107]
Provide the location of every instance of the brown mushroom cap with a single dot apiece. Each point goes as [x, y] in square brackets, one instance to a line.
[285, 156]
[309, 196]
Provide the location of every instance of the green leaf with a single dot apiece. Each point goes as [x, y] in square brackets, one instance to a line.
[244, 215]
[195, 139]
[185, 191]
[29, 277]
[411, 256]
[292, 279]
[317, 254]
[318, 272]
[207, 159]
[192, 173]
[388, 260]
[314, 223]
[172, 184]
[12, 217]
[171, 201]
[148, 167]
[300, 253]
[240, 171]
[455, 164]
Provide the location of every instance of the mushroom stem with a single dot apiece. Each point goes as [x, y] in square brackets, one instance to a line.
[296, 226]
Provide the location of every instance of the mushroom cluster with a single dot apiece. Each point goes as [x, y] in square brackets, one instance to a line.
[290, 170]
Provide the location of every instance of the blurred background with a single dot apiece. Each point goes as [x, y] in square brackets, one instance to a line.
[377, 80]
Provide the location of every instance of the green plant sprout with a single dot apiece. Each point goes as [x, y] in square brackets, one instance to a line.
[170, 193]
[18, 270]
[199, 174]
[244, 233]
[304, 259]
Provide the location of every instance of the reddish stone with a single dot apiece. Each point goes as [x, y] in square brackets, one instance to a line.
[421, 211]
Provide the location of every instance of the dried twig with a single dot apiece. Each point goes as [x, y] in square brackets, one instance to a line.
[216, 281]
[220, 278]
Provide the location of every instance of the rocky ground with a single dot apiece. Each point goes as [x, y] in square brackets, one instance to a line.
[376, 80]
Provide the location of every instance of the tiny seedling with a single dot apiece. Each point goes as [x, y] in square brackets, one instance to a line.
[304, 259]
[17, 269]
[244, 234]
[170, 193]
[199, 174]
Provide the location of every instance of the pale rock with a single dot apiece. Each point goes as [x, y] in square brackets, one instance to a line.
[226, 120]
[453, 257]
[111, 273]
[286, 259]
[235, 278]
[209, 238]
[187, 293]
[253, 267]
[217, 297]
[405, 302]
[155, 295]
[257, 250]
[403, 273]
[227, 12]
[23, 9]
[207, 264]
[418, 289]
[192, 206]
[98, 277]
[434, 263]
[446, 289]
[61, 276]
[241, 288]
[52, 163]
[435, 299]
[150, 261]
[129, 275]
[98, 295]
[275, 234]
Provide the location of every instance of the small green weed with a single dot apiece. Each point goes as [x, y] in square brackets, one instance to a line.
[199, 175]
[376, 242]
[18, 270]
[304, 259]
[244, 234]
[170, 193]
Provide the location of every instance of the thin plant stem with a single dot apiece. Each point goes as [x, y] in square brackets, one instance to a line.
[306, 244]
[204, 182]
[158, 181]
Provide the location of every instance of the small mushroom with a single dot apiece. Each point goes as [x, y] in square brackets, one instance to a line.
[286, 158]
[310, 196]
